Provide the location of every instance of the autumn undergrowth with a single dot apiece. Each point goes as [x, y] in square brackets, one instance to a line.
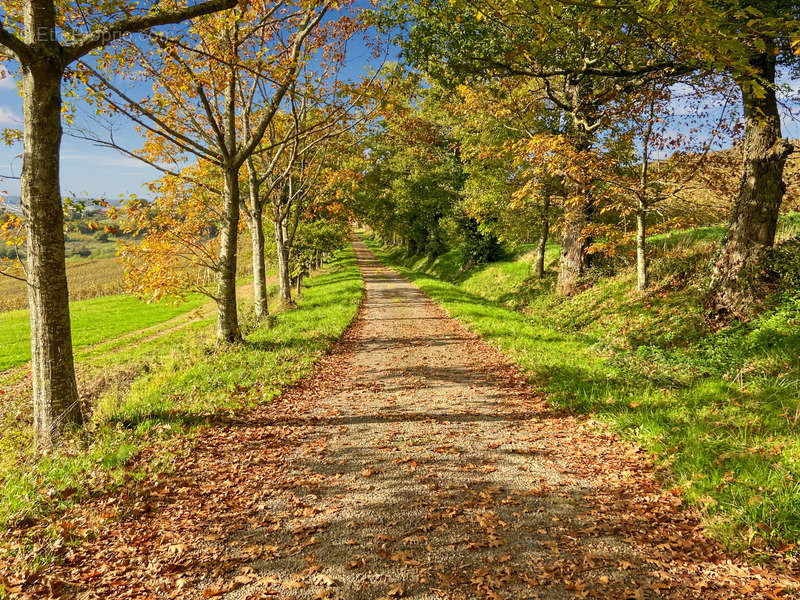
[717, 408]
[178, 382]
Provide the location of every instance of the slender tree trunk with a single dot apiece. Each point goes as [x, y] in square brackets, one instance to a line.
[641, 214]
[740, 265]
[227, 317]
[284, 281]
[641, 247]
[257, 240]
[299, 283]
[540, 251]
[55, 392]
[259, 265]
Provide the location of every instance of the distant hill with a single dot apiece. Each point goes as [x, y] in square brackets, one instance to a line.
[12, 203]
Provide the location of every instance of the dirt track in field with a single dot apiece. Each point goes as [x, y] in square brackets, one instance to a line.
[415, 463]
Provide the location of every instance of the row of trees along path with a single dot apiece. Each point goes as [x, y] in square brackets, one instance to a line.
[586, 57]
[415, 463]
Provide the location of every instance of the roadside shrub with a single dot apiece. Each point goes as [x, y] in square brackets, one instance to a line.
[477, 247]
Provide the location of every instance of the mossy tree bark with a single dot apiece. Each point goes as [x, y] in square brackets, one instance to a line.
[742, 263]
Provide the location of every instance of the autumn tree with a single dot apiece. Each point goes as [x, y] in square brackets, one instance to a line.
[322, 230]
[175, 238]
[225, 70]
[749, 40]
[292, 188]
[413, 178]
[321, 106]
[657, 150]
[46, 38]
[509, 189]
[581, 58]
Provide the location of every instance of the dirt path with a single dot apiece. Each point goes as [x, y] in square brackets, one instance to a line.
[415, 464]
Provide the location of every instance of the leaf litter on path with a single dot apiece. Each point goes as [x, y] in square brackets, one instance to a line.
[415, 463]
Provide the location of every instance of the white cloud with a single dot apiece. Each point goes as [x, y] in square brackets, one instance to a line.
[8, 117]
[104, 160]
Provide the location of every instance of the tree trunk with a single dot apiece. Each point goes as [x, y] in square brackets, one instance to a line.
[259, 265]
[574, 259]
[740, 265]
[641, 248]
[227, 318]
[642, 279]
[540, 251]
[256, 224]
[284, 281]
[299, 283]
[55, 392]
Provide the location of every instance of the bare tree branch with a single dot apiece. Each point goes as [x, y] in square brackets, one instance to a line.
[107, 33]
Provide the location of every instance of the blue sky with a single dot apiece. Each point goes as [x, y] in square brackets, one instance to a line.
[85, 169]
[89, 170]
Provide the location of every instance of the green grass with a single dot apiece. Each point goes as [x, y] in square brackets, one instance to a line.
[183, 381]
[93, 321]
[718, 410]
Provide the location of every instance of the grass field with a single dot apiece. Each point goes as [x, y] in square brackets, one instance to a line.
[93, 321]
[161, 388]
[99, 274]
[719, 410]
[87, 278]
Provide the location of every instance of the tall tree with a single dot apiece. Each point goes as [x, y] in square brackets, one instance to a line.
[747, 40]
[321, 106]
[654, 155]
[45, 38]
[509, 189]
[205, 83]
[750, 39]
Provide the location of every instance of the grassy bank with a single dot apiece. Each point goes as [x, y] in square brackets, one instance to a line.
[719, 410]
[175, 383]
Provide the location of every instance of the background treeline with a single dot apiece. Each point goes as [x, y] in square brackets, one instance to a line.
[606, 124]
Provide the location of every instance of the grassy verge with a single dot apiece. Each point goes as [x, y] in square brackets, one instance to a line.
[187, 383]
[718, 410]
